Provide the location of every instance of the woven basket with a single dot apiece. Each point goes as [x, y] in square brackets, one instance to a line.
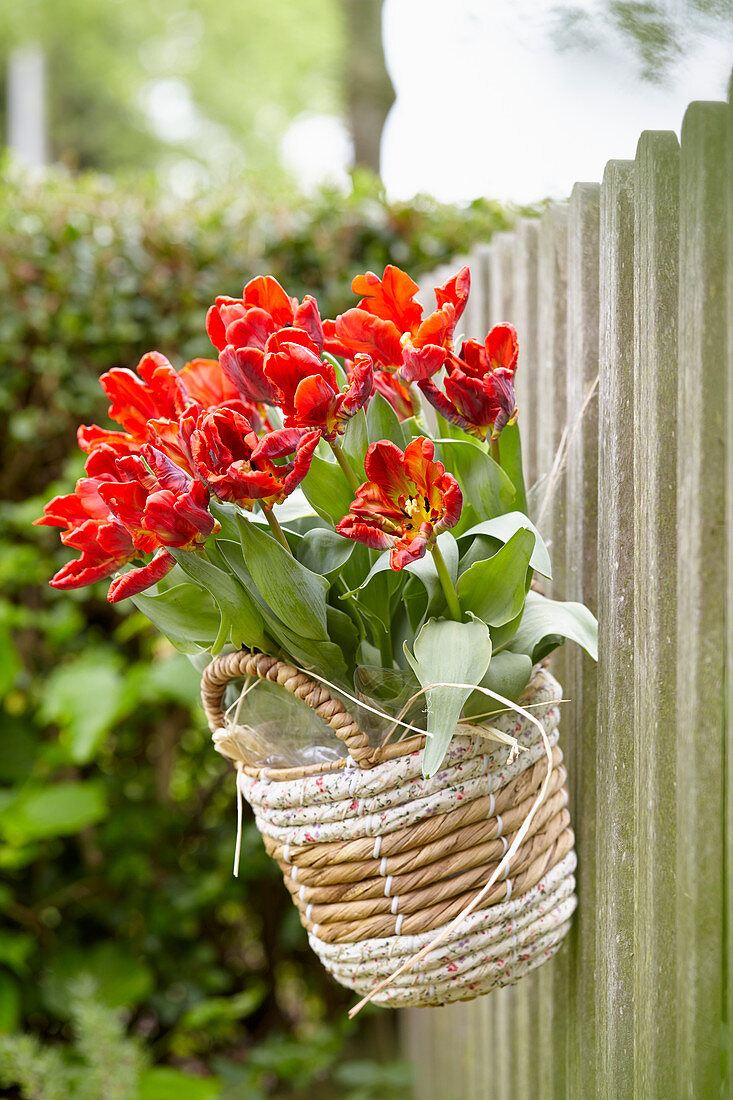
[378, 859]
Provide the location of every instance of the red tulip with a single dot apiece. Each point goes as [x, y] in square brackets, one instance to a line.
[90, 527]
[155, 405]
[388, 323]
[307, 390]
[240, 328]
[156, 390]
[479, 386]
[123, 511]
[239, 467]
[406, 503]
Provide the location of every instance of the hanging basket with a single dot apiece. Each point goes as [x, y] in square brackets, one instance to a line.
[379, 860]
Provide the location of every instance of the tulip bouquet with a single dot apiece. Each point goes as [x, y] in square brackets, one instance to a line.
[344, 495]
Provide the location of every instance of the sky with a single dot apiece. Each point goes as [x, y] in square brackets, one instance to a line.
[487, 105]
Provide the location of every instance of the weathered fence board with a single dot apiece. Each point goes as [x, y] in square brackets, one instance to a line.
[623, 301]
[581, 584]
[615, 734]
[656, 231]
[526, 256]
[701, 584]
[729, 539]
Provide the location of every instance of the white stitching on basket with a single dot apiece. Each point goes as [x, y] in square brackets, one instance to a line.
[294, 873]
[398, 925]
[286, 853]
[383, 866]
[508, 889]
[492, 804]
[500, 825]
[377, 847]
[395, 903]
[308, 910]
[505, 842]
[301, 893]
[388, 886]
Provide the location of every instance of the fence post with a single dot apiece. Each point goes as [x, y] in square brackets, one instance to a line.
[656, 265]
[526, 253]
[581, 584]
[615, 748]
[729, 602]
[701, 584]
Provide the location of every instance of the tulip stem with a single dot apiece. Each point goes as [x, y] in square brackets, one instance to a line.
[276, 529]
[345, 466]
[495, 453]
[447, 585]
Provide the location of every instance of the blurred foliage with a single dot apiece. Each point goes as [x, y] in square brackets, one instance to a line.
[116, 817]
[103, 1062]
[269, 62]
[659, 34]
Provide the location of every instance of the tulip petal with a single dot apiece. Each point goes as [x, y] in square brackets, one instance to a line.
[419, 363]
[353, 527]
[455, 291]
[243, 368]
[502, 347]
[137, 580]
[266, 293]
[363, 332]
[392, 297]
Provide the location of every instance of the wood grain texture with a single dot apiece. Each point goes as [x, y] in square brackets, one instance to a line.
[656, 231]
[550, 374]
[615, 738]
[477, 320]
[728, 1083]
[577, 1017]
[526, 256]
[701, 583]
[635, 1004]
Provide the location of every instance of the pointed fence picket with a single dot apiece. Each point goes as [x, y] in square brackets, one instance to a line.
[623, 301]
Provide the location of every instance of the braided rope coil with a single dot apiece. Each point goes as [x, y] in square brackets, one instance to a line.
[378, 859]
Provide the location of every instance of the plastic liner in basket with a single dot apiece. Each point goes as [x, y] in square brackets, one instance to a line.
[273, 728]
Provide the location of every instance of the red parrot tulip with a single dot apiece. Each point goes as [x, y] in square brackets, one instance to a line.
[479, 386]
[388, 323]
[123, 511]
[240, 328]
[406, 503]
[90, 527]
[239, 467]
[307, 390]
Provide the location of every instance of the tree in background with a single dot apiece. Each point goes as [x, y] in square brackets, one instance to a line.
[369, 90]
[133, 85]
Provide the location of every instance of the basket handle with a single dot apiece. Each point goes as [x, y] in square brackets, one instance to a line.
[235, 666]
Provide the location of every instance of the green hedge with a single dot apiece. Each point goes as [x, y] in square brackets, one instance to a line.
[116, 818]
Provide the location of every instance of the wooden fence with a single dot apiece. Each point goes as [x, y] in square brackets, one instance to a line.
[623, 300]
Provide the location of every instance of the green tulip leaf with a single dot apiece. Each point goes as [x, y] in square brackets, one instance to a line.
[487, 489]
[296, 594]
[508, 674]
[495, 589]
[383, 422]
[323, 551]
[186, 614]
[547, 623]
[447, 652]
[241, 621]
[510, 450]
[327, 490]
[503, 527]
